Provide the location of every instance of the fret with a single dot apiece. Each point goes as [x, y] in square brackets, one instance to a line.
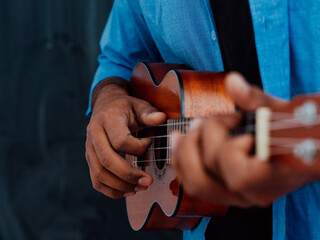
[179, 125]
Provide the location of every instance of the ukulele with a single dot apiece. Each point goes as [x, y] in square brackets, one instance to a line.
[290, 135]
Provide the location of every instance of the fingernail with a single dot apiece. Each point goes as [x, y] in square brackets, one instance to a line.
[173, 140]
[195, 123]
[238, 81]
[139, 188]
[129, 194]
[154, 114]
[144, 181]
[243, 84]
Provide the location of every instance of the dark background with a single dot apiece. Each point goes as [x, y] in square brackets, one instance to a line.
[48, 51]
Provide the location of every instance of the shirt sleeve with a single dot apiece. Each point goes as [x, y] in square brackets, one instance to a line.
[125, 41]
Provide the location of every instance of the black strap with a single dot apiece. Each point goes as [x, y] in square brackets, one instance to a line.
[236, 39]
[240, 224]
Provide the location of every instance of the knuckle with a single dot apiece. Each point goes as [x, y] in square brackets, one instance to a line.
[123, 101]
[107, 113]
[97, 186]
[141, 150]
[128, 174]
[91, 129]
[87, 147]
[92, 125]
[105, 162]
[117, 106]
[119, 142]
[87, 156]
[103, 116]
[115, 194]
[98, 175]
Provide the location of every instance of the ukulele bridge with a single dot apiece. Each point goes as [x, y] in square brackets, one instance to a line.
[263, 116]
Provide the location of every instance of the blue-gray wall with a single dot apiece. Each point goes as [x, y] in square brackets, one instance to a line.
[48, 51]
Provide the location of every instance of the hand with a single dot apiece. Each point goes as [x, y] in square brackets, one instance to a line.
[216, 167]
[115, 116]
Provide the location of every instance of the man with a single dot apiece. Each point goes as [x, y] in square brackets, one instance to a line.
[274, 44]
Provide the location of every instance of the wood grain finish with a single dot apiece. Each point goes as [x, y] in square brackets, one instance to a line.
[183, 93]
[179, 92]
[205, 94]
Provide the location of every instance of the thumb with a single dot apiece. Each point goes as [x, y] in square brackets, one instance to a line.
[249, 97]
[147, 114]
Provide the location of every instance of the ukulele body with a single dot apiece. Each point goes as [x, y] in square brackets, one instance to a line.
[180, 93]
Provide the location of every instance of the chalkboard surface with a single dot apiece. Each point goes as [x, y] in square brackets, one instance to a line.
[48, 51]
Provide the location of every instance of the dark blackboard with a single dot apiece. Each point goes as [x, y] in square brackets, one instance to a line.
[48, 51]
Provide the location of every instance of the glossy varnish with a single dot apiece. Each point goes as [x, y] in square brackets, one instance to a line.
[181, 93]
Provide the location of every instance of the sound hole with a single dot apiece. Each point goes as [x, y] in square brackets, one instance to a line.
[160, 146]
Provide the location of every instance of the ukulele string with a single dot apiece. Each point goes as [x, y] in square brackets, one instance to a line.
[281, 117]
[284, 150]
[251, 128]
[275, 141]
[284, 145]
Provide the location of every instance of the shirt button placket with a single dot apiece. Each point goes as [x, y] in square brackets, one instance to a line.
[213, 35]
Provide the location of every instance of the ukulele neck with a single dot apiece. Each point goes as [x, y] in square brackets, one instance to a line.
[276, 134]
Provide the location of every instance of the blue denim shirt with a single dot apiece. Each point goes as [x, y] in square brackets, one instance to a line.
[287, 35]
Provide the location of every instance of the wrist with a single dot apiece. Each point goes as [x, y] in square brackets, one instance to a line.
[109, 88]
